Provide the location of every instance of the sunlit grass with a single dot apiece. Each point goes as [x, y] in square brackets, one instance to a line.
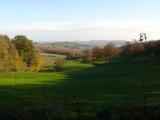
[119, 82]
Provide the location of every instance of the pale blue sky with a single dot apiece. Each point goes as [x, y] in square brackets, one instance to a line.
[80, 19]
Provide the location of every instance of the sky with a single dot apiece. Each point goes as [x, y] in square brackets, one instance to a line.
[63, 20]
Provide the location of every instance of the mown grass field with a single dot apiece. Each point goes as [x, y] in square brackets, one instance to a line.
[115, 83]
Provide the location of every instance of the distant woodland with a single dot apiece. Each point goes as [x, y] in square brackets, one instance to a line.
[21, 54]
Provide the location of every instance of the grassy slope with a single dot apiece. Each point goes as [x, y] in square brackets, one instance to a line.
[110, 83]
[48, 59]
[34, 88]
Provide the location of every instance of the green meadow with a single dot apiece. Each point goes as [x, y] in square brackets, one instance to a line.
[110, 83]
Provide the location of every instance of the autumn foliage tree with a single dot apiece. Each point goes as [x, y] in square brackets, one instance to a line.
[88, 56]
[128, 50]
[18, 54]
[9, 57]
[15, 63]
[29, 55]
[133, 50]
[110, 51]
[59, 62]
[98, 54]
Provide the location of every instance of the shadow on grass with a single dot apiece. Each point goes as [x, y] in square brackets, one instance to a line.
[109, 84]
[91, 93]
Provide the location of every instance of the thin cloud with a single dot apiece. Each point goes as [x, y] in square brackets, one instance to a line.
[85, 30]
[45, 26]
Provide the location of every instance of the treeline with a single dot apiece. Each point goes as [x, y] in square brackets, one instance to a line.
[69, 53]
[104, 54]
[133, 51]
[146, 50]
[18, 54]
[142, 50]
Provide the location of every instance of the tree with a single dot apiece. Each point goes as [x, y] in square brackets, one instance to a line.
[98, 54]
[9, 57]
[132, 50]
[27, 52]
[110, 51]
[4, 40]
[138, 49]
[88, 57]
[14, 62]
[35, 61]
[59, 62]
[128, 49]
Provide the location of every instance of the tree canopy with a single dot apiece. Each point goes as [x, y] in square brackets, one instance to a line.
[18, 54]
